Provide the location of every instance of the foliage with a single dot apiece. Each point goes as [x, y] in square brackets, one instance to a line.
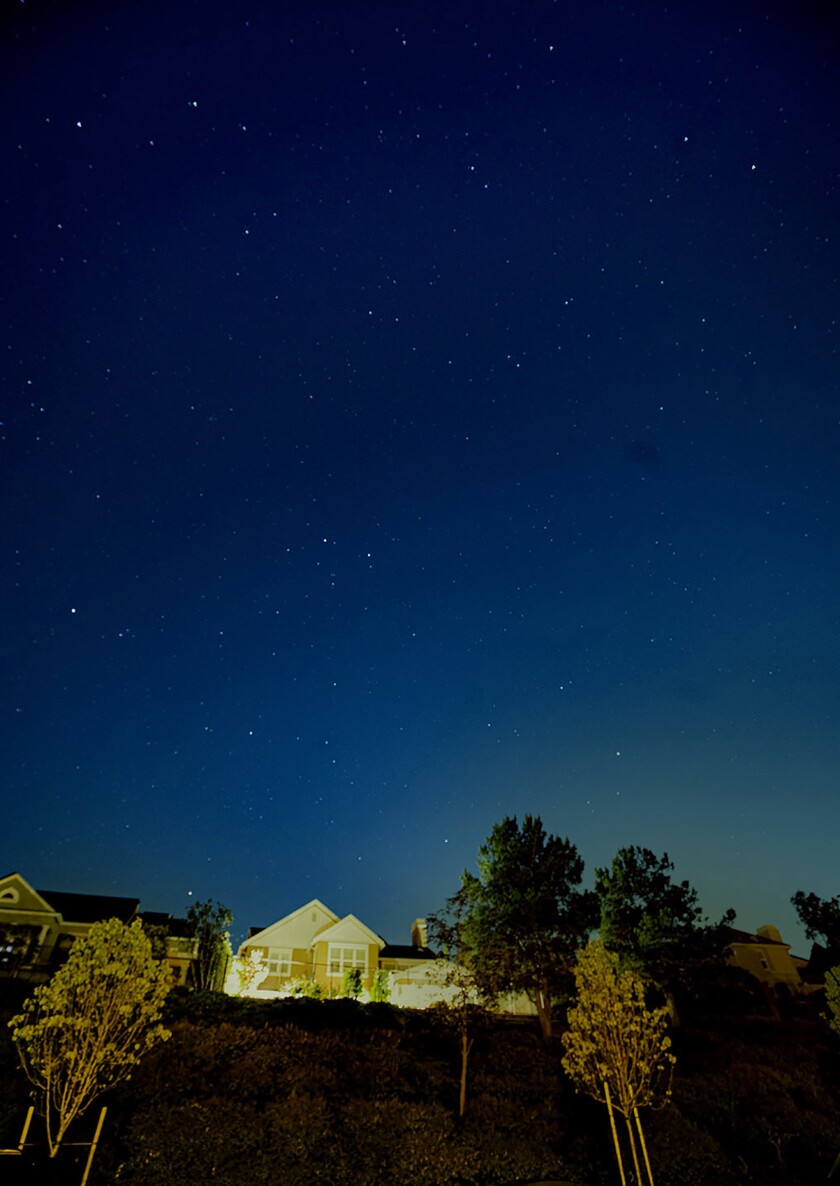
[351, 983]
[380, 989]
[832, 997]
[368, 1087]
[87, 1028]
[218, 1102]
[821, 919]
[614, 1037]
[305, 986]
[654, 924]
[523, 917]
[209, 926]
[250, 969]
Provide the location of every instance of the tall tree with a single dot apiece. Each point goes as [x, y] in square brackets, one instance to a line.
[524, 915]
[617, 1049]
[655, 924]
[86, 1029]
[209, 926]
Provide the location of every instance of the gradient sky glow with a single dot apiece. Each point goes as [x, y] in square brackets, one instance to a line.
[416, 414]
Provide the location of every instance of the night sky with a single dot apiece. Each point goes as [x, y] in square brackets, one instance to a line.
[412, 415]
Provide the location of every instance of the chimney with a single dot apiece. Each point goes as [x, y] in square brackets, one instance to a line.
[418, 933]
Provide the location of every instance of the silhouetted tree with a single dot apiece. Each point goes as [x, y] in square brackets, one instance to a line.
[523, 917]
[655, 924]
[209, 926]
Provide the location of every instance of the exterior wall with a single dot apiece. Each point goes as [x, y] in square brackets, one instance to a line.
[771, 963]
[331, 983]
[180, 954]
[300, 965]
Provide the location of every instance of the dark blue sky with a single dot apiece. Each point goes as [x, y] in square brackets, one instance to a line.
[416, 414]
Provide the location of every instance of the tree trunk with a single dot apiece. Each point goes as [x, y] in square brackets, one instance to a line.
[541, 1001]
[466, 1046]
[673, 1012]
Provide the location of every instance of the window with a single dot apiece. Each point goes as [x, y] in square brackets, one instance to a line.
[341, 958]
[9, 894]
[279, 961]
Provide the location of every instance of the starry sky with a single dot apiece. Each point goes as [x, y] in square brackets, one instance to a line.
[415, 414]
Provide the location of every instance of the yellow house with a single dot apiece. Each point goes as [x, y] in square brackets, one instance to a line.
[313, 943]
[765, 956]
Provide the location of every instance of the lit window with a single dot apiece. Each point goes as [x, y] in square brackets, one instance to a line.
[342, 958]
[279, 961]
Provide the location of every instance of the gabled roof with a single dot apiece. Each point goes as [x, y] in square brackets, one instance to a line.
[349, 930]
[296, 929]
[11, 885]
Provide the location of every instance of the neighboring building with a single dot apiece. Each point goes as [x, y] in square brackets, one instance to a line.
[180, 946]
[313, 943]
[38, 928]
[766, 957]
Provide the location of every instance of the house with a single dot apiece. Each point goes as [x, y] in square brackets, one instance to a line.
[38, 928]
[766, 957]
[314, 944]
[172, 940]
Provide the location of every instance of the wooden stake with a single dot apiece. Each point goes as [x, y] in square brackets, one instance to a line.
[93, 1145]
[631, 1138]
[642, 1143]
[614, 1134]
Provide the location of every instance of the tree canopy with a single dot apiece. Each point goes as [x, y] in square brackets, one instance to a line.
[523, 917]
[87, 1028]
[821, 919]
[209, 925]
[653, 923]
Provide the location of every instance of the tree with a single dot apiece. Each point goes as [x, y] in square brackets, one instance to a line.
[457, 975]
[87, 1028]
[209, 923]
[523, 916]
[351, 983]
[380, 989]
[821, 919]
[654, 924]
[617, 1049]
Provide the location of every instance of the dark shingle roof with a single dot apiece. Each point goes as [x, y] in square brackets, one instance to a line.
[392, 951]
[90, 907]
